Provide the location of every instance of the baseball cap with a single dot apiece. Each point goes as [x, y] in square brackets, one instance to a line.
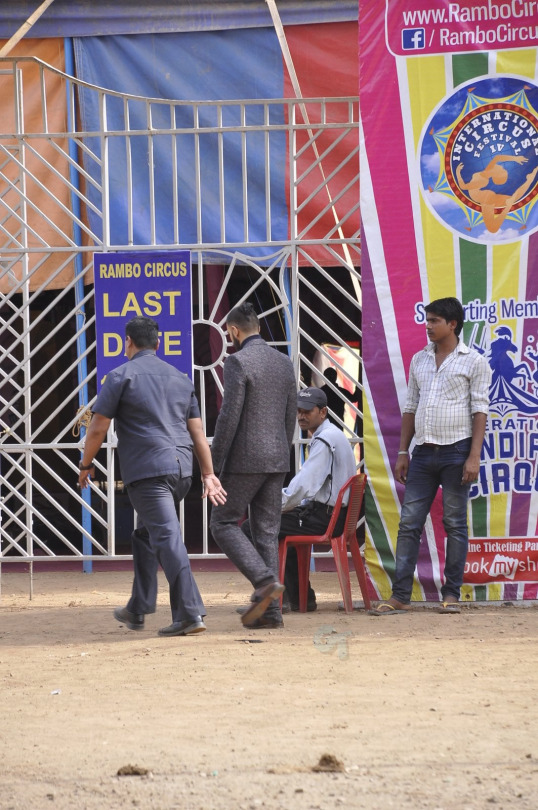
[308, 398]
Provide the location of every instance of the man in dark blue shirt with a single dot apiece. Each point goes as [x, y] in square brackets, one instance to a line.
[157, 420]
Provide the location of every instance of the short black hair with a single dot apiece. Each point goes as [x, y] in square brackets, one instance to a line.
[331, 374]
[144, 332]
[448, 308]
[244, 317]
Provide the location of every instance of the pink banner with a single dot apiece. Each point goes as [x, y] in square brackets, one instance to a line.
[449, 207]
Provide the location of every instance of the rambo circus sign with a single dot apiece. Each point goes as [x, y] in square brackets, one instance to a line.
[157, 285]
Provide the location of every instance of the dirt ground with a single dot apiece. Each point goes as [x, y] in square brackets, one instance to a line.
[411, 711]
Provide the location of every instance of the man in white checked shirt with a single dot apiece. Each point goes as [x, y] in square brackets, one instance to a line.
[445, 412]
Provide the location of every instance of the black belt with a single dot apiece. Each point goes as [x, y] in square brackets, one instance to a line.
[432, 444]
[323, 507]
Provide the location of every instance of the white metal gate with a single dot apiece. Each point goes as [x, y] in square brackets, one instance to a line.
[55, 212]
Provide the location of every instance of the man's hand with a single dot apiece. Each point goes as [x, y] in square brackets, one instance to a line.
[401, 468]
[85, 475]
[213, 490]
[470, 470]
[407, 432]
[95, 436]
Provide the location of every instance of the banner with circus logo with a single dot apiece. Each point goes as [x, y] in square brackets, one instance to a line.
[449, 206]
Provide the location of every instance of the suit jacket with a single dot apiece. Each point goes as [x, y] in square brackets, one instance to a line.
[257, 420]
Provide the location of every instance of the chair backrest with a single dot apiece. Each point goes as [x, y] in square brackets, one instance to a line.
[356, 496]
[356, 486]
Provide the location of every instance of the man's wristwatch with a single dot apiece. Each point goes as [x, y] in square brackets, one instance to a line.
[82, 466]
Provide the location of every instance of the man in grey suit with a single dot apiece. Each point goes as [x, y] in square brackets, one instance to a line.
[251, 455]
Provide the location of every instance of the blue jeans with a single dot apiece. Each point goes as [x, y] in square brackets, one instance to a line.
[433, 466]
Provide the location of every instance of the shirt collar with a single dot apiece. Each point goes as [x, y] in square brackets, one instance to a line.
[248, 339]
[461, 348]
[142, 353]
[324, 425]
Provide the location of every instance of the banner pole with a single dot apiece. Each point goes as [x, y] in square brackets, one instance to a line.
[286, 53]
[25, 27]
[82, 370]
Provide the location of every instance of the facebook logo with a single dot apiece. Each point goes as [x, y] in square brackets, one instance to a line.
[413, 39]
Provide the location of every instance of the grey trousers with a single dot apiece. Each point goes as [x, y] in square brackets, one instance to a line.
[157, 540]
[261, 494]
[300, 520]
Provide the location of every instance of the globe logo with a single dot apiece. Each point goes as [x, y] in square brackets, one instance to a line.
[478, 158]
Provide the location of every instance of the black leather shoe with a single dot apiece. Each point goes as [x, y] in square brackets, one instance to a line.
[287, 607]
[186, 628]
[261, 599]
[264, 623]
[134, 621]
[311, 606]
[293, 607]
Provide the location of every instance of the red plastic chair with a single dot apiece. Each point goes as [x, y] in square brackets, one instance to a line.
[339, 545]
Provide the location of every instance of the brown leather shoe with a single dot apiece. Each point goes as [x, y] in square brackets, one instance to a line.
[264, 623]
[287, 607]
[262, 598]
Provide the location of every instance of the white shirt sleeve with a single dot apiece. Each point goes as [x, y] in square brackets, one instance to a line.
[310, 478]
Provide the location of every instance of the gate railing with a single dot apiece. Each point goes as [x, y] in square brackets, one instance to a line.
[59, 203]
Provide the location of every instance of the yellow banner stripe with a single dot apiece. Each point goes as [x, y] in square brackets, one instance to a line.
[518, 63]
[379, 485]
[429, 75]
[439, 255]
[377, 476]
[427, 86]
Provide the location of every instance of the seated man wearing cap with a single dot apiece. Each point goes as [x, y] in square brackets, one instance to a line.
[309, 498]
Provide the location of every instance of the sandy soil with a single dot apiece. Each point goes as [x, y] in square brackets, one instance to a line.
[410, 711]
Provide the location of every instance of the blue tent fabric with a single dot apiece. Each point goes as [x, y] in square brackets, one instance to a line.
[243, 64]
[80, 18]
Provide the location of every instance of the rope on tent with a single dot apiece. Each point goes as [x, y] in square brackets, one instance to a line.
[25, 27]
[286, 53]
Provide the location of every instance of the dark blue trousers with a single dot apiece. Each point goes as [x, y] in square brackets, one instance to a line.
[157, 541]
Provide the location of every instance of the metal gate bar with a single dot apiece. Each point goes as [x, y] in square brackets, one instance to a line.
[55, 212]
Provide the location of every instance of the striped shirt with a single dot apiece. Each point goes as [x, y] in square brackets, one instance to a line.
[444, 399]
